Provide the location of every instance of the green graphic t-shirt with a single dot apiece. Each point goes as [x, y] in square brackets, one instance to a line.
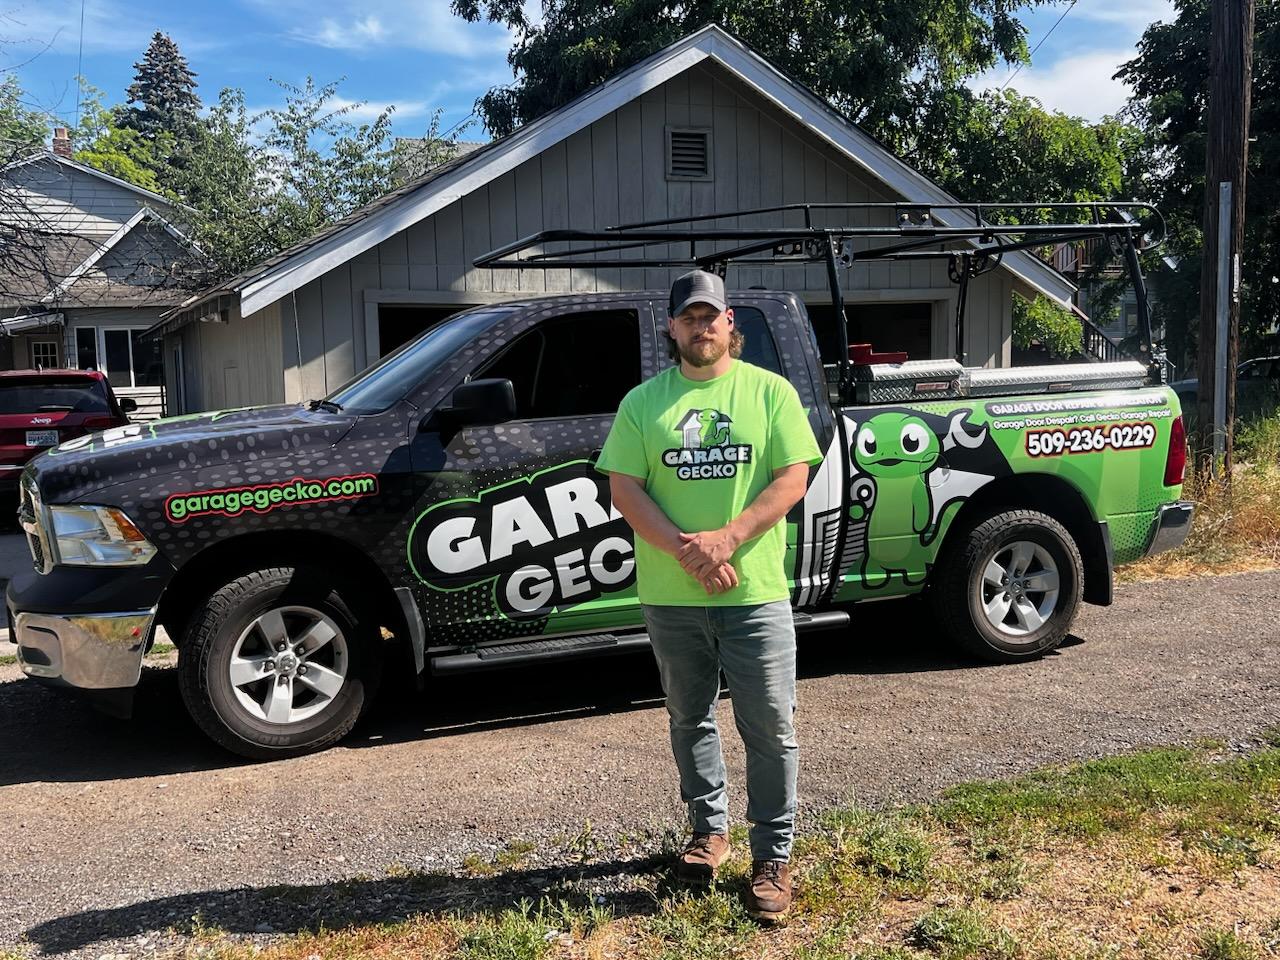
[705, 450]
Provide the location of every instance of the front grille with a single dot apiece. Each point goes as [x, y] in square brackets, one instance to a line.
[37, 553]
[29, 518]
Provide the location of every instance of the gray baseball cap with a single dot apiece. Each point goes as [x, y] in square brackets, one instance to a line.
[697, 286]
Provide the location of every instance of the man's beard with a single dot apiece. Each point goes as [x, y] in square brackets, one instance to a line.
[703, 357]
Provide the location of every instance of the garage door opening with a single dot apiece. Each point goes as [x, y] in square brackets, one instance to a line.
[399, 323]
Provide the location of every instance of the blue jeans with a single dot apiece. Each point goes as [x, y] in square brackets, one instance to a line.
[755, 646]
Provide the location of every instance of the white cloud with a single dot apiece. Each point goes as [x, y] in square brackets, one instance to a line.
[368, 110]
[356, 35]
[1088, 47]
[1077, 84]
[1135, 15]
[366, 25]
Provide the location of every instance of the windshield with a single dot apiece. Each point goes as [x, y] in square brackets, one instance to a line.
[396, 374]
[52, 394]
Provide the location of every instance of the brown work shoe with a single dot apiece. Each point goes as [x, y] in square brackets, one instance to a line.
[701, 857]
[770, 895]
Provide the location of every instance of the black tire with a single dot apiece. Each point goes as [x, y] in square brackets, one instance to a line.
[960, 594]
[227, 620]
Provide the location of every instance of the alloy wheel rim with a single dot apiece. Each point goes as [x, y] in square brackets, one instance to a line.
[289, 664]
[1019, 588]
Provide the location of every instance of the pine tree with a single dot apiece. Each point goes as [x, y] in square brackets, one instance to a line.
[162, 95]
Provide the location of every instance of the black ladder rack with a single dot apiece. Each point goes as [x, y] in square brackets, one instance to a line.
[972, 238]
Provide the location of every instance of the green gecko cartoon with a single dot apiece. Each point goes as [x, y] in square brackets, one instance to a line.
[898, 451]
[711, 435]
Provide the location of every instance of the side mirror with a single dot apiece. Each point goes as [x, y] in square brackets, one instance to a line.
[477, 403]
[128, 404]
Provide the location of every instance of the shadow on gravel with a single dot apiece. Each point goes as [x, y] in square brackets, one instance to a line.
[51, 736]
[301, 909]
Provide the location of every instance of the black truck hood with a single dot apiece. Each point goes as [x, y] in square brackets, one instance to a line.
[189, 445]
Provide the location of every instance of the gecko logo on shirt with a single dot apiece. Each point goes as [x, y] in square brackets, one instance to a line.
[706, 451]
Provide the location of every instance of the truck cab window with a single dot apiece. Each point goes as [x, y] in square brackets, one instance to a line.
[573, 365]
[758, 347]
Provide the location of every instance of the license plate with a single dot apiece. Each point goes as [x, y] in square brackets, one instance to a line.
[42, 438]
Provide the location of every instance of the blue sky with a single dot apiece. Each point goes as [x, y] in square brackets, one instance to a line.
[419, 57]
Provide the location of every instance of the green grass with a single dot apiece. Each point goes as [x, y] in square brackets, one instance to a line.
[1074, 857]
[7, 660]
[957, 933]
[520, 934]
[1225, 945]
[527, 932]
[1119, 793]
[161, 650]
[694, 925]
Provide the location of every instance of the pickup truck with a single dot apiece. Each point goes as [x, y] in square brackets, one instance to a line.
[447, 495]
[441, 512]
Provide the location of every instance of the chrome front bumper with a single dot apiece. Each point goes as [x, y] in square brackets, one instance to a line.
[90, 651]
[1173, 523]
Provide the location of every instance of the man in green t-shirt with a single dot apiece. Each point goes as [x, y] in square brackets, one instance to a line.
[704, 461]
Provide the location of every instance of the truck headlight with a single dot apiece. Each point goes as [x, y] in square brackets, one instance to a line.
[86, 536]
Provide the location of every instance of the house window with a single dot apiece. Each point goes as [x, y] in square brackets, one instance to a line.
[688, 153]
[130, 361]
[86, 348]
[44, 354]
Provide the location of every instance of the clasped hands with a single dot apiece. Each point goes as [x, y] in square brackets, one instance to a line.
[705, 557]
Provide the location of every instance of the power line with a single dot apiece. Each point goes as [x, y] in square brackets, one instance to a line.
[467, 119]
[80, 64]
[1039, 45]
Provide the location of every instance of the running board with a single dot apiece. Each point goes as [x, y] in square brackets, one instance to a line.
[565, 648]
[541, 651]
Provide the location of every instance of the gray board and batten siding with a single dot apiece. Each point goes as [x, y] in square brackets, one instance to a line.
[230, 363]
[610, 172]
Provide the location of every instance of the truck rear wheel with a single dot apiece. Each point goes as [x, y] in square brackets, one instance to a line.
[276, 664]
[1009, 589]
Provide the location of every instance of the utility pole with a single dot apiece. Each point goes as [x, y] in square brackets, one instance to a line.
[1226, 157]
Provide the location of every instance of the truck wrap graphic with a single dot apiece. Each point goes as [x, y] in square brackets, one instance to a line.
[545, 542]
[264, 497]
[905, 489]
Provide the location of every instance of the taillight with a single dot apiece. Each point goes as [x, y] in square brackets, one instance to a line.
[98, 423]
[1175, 464]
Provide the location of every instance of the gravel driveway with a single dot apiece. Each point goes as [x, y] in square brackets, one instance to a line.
[118, 831]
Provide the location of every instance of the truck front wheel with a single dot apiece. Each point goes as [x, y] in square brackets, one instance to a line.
[275, 664]
[1009, 589]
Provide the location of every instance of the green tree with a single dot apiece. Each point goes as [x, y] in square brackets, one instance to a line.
[257, 184]
[1169, 77]
[100, 143]
[225, 188]
[1007, 147]
[1043, 321]
[162, 97]
[21, 129]
[892, 66]
[324, 165]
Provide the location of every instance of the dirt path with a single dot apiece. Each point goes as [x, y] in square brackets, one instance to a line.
[118, 830]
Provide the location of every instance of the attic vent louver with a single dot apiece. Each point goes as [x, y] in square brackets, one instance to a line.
[688, 153]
